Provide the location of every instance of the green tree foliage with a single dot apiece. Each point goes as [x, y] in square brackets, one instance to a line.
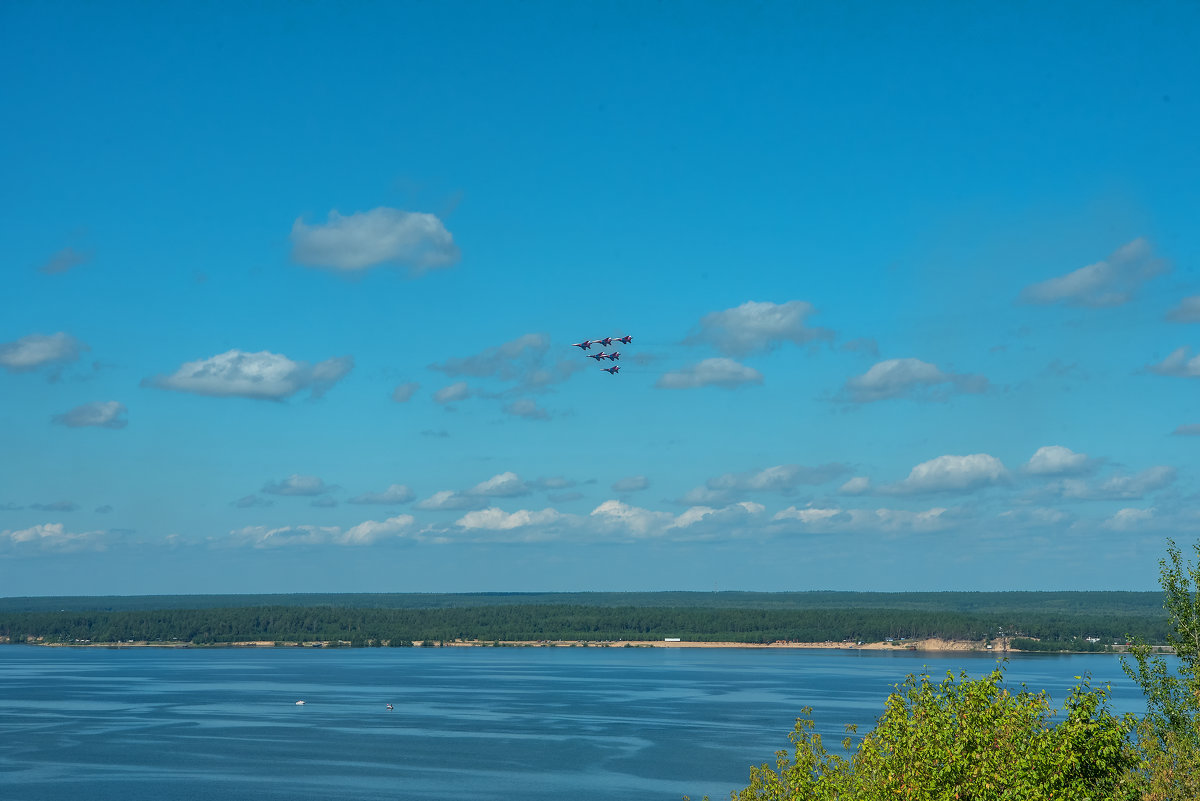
[961, 739]
[1173, 695]
[1169, 736]
[360, 625]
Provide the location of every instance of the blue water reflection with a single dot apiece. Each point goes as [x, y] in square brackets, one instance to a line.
[468, 723]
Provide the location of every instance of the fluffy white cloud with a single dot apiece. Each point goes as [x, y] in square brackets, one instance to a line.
[952, 473]
[394, 494]
[783, 478]
[631, 520]
[718, 372]
[37, 350]
[452, 393]
[103, 414]
[366, 533]
[261, 376]
[832, 520]
[453, 501]
[1188, 311]
[365, 239]
[404, 392]
[1055, 460]
[756, 326]
[1129, 519]
[896, 378]
[631, 484]
[495, 519]
[52, 537]
[859, 485]
[1180, 363]
[807, 514]
[1120, 487]
[502, 485]
[1105, 283]
[372, 531]
[297, 484]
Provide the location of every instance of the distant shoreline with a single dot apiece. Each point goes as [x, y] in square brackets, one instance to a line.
[929, 645]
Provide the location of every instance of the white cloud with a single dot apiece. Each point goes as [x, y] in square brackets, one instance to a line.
[631, 484]
[261, 376]
[404, 392]
[527, 408]
[783, 478]
[297, 484]
[452, 393]
[618, 519]
[756, 326]
[365, 239]
[1120, 487]
[372, 531]
[453, 501]
[832, 520]
[394, 494]
[506, 361]
[1129, 519]
[895, 378]
[1180, 363]
[52, 537]
[1055, 460]
[1188, 311]
[858, 485]
[1105, 283]
[808, 514]
[366, 533]
[718, 372]
[495, 519]
[103, 414]
[634, 521]
[503, 485]
[952, 473]
[37, 350]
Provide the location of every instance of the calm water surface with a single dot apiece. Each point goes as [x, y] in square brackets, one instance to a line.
[469, 723]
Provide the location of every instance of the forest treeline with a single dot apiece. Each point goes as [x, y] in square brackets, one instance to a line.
[370, 625]
[1148, 604]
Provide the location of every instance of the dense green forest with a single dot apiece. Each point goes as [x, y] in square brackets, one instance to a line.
[363, 625]
[1148, 604]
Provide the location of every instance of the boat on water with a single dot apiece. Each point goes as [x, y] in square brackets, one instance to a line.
[299, 703]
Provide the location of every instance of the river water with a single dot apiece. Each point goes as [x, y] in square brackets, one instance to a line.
[468, 723]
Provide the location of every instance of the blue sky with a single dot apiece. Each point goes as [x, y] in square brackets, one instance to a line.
[289, 294]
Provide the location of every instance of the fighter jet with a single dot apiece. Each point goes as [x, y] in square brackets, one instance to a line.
[616, 368]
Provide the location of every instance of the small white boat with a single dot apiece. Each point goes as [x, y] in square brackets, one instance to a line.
[299, 703]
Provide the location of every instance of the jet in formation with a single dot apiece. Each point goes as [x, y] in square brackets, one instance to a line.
[601, 356]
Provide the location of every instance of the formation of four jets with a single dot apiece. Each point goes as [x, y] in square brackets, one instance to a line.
[606, 342]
